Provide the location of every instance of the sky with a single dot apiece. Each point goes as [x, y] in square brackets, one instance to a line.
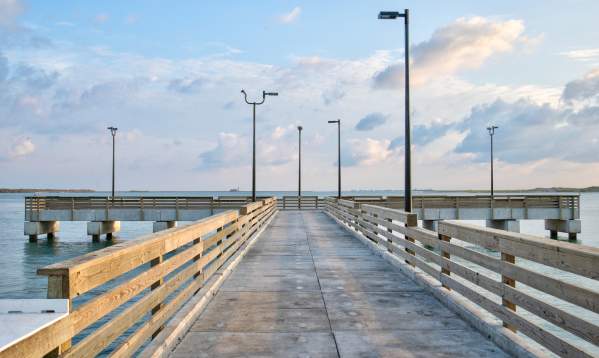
[169, 76]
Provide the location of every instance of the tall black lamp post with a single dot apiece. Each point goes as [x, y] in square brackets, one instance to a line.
[491, 130]
[338, 156]
[392, 15]
[299, 172]
[254, 104]
[113, 133]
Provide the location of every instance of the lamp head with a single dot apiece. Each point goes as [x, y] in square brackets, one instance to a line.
[491, 129]
[299, 128]
[112, 130]
[270, 93]
[243, 91]
[390, 15]
[337, 121]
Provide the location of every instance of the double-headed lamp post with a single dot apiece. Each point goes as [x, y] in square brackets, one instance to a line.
[392, 15]
[338, 122]
[113, 133]
[254, 104]
[491, 130]
[299, 172]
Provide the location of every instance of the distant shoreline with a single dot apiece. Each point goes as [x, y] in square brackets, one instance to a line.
[591, 189]
[27, 190]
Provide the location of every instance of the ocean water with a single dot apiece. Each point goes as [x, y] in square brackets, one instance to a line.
[21, 259]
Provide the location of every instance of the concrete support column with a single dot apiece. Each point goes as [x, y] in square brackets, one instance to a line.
[570, 227]
[35, 228]
[97, 228]
[507, 225]
[163, 225]
[430, 224]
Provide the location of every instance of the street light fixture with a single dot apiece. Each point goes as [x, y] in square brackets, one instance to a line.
[491, 130]
[113, 133]
[254, 104]
[338, 157]
[393, 15]
[299, 173]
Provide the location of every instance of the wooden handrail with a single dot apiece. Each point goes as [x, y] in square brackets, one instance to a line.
[493, 261]
[182, 260]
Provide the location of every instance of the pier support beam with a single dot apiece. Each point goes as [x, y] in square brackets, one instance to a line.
[570, 227]
[430, 224]
[163, 225]
[507, 225]
[35, 228]
[97, 228]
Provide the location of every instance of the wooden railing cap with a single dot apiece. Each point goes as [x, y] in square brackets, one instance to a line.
[76, 264]
[410, 219]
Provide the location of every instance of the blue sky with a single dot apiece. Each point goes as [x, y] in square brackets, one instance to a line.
[168, 75]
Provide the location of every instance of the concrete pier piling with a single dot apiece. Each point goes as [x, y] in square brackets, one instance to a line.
[570, 227]
[430, 224]
[35, 228]
[507, 225]
[163, 225]
[97, 228]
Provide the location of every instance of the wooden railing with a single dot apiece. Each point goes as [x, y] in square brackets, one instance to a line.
[299, 203]
[497, 270]
[147, 280]
[547, 201]
[37, 203]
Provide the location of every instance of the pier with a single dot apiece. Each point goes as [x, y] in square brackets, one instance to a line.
[344, 279]
[104, 215]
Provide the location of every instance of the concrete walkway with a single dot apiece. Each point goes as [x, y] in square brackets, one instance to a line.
[309, 289]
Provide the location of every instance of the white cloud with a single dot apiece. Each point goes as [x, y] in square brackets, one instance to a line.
[464, 44]
[21, 147]
[585, 55]
[583, 89]
[291, 16]
[234, 150]
[367, 152]
[9, 10]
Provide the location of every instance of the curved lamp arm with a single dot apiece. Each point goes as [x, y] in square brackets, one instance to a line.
[264, 94]
[245, 96]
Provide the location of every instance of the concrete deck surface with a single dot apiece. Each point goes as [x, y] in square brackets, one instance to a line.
[307, 288]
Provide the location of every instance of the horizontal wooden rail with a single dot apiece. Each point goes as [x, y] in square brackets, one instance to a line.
[486, 266]
[154, 274]
[557, 201]
[299, 203]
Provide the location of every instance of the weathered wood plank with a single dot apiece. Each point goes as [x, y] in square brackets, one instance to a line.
[407, 218]
[93, 269]
[578, 259]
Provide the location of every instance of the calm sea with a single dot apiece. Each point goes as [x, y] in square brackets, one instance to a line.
[20, 258]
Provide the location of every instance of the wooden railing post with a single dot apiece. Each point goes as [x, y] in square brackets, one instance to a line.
[357, 207]
[389, 240]
[446, 255]
[510, 282]
[155, 262]
[59, 287]
[375, 224]
[197, 257]
[409, 251]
